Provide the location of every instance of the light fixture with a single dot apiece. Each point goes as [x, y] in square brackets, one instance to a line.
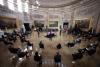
[37, 2]
[27, 0]
[36, 5]
[33, 6]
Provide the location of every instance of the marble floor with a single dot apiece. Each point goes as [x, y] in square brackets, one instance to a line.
[49, 52]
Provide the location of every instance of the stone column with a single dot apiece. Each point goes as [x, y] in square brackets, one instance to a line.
[98, 24]
[72, 23]
[16, 5]
[6, 3]
[47, 18]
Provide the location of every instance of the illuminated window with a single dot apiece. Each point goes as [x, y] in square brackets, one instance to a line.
[19, 3]
[1, 2]
[26, 7]
[11, 4]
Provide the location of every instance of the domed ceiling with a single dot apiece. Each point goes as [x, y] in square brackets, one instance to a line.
[54, 3]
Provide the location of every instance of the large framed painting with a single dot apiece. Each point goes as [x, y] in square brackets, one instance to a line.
[53, 23]
[39, 23]
[84, 24]
[7, 23]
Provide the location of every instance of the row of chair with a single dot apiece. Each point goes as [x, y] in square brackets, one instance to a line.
[89, 50]
[72, 44]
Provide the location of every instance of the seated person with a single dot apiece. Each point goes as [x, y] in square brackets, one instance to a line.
[14, 37]
[22, 38]
[6, 42]
[77, 56]
[1, 33]
[82, 50]
[40, 29]
[41, 45]
[29, 45]
[22, 54]
[59, 46]
[50, 34]
[14, 50]
[90, 31]
[10, 38]
[71, 44]
[57, 58]
[90, 51]
[2, 38]
[93, 45]
[38, 58]
[78, 40]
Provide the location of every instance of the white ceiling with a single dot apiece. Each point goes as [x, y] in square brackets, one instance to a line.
[54, 3]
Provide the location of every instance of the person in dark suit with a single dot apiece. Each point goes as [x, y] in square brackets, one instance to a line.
[38, 58]
[22, 38]
[57, 58]
[59, 46]
[29, 45]
[14, 50]
[22, 54]
[78, 40]
[77, 56]
[71, 44]
[41, 45]
[91, 49]
[60, 32]
[6, 42]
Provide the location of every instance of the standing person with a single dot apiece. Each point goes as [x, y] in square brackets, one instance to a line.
[38, 32]
[41, 45]
[59, 46]
[57, 58]
[38, 58]
[90, 30]
[60, 32]
[46, 28]
[32, 27]
[50, 35]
